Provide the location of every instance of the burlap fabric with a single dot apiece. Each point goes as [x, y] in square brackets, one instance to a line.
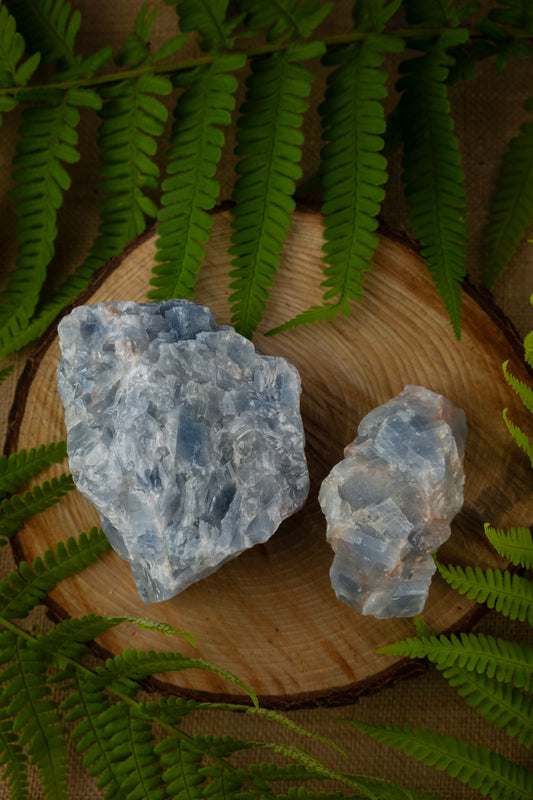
[488, 111]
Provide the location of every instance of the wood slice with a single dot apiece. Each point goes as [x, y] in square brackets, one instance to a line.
[270, 616]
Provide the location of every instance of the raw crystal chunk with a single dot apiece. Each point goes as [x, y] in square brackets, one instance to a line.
[389, 503]
[187, 440]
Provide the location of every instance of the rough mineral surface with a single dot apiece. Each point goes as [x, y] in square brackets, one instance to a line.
[187, 440]
[390, 502]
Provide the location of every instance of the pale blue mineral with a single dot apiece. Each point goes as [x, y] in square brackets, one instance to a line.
[188, 441]
[389, 503]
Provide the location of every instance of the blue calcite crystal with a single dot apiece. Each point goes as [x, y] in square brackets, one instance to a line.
[187, 440]
[389, 503]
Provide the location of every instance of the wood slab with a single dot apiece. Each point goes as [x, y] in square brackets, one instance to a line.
[270, 616]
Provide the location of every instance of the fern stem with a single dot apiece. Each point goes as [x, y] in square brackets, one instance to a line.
[183, 65]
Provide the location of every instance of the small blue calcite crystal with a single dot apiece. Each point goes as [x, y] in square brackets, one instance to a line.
[389, 503]
[187, 440]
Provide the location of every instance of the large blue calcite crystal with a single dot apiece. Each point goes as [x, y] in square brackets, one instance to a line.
[187, 440]
[389, 503]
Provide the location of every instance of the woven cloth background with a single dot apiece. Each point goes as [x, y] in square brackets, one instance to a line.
[487, 111]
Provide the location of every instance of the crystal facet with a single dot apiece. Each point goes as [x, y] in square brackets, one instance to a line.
[389, 503]
[187, 440]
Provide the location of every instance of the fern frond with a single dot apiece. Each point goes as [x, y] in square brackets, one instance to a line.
[515, 13]
[137, 765]
[524, 392]
[285, 18]
[352, 168]
[208, 19]
[18, 468]
[515, 544]
[521, 438]
[508, 594]
[14, 71]
[372, 16]
[13, 760]
[438, 13]
[86, 706]
[478, 767]
[135, 665]
[190, 189]
[26, 588]
[181, 763]
[269, 139]
[499, 703]
[17, 510]
[432, 173]
[510, 662]
[48, 140]
[511, 208]
[50, 28]
[37, 722]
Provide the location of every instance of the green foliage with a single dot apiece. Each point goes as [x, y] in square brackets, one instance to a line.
[18, 468]
[269, 140]
[200, 90]
[15, 511]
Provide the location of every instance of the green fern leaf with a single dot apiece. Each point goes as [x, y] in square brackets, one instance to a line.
[49, 27]
[521, 439]
[516, 14]
[515, 544]
[48, 140]
[269, 139]
[13, 760]
[285, 18]
[208, 19]
[433, 177]
[478, 767]
[438, 13]
[135, 665]
[5, 372]
[137, 765]
[499, 703]
[18, 468]
[26, 588]
[181, 762]
[190, 190]
[14, 71]
[86, 706]
[510, 662]
[369, 15]
[524, 392]
[508, 594]
[353, 170]
[17, 510]
[27, 698]
[511, 209]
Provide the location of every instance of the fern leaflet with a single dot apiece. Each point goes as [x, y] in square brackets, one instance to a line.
[269, 139]
[524, 392]
[182, 764]
[508, 594]
[26, 588]
[353, 171]
[5, 372]
[48, 139]
[37, 722]
[509, 662]
[208, 18]
[499, 703]
[434, 180]
[285, 18]
[511, 209]
[15, 511]
[519, 436]
[49, 27]
[14, 72]
[479, 767]
[190, 189]
[13, 759]
[18, 468]
[516, 544]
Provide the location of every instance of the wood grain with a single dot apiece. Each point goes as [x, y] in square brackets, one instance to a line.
[270, 616]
